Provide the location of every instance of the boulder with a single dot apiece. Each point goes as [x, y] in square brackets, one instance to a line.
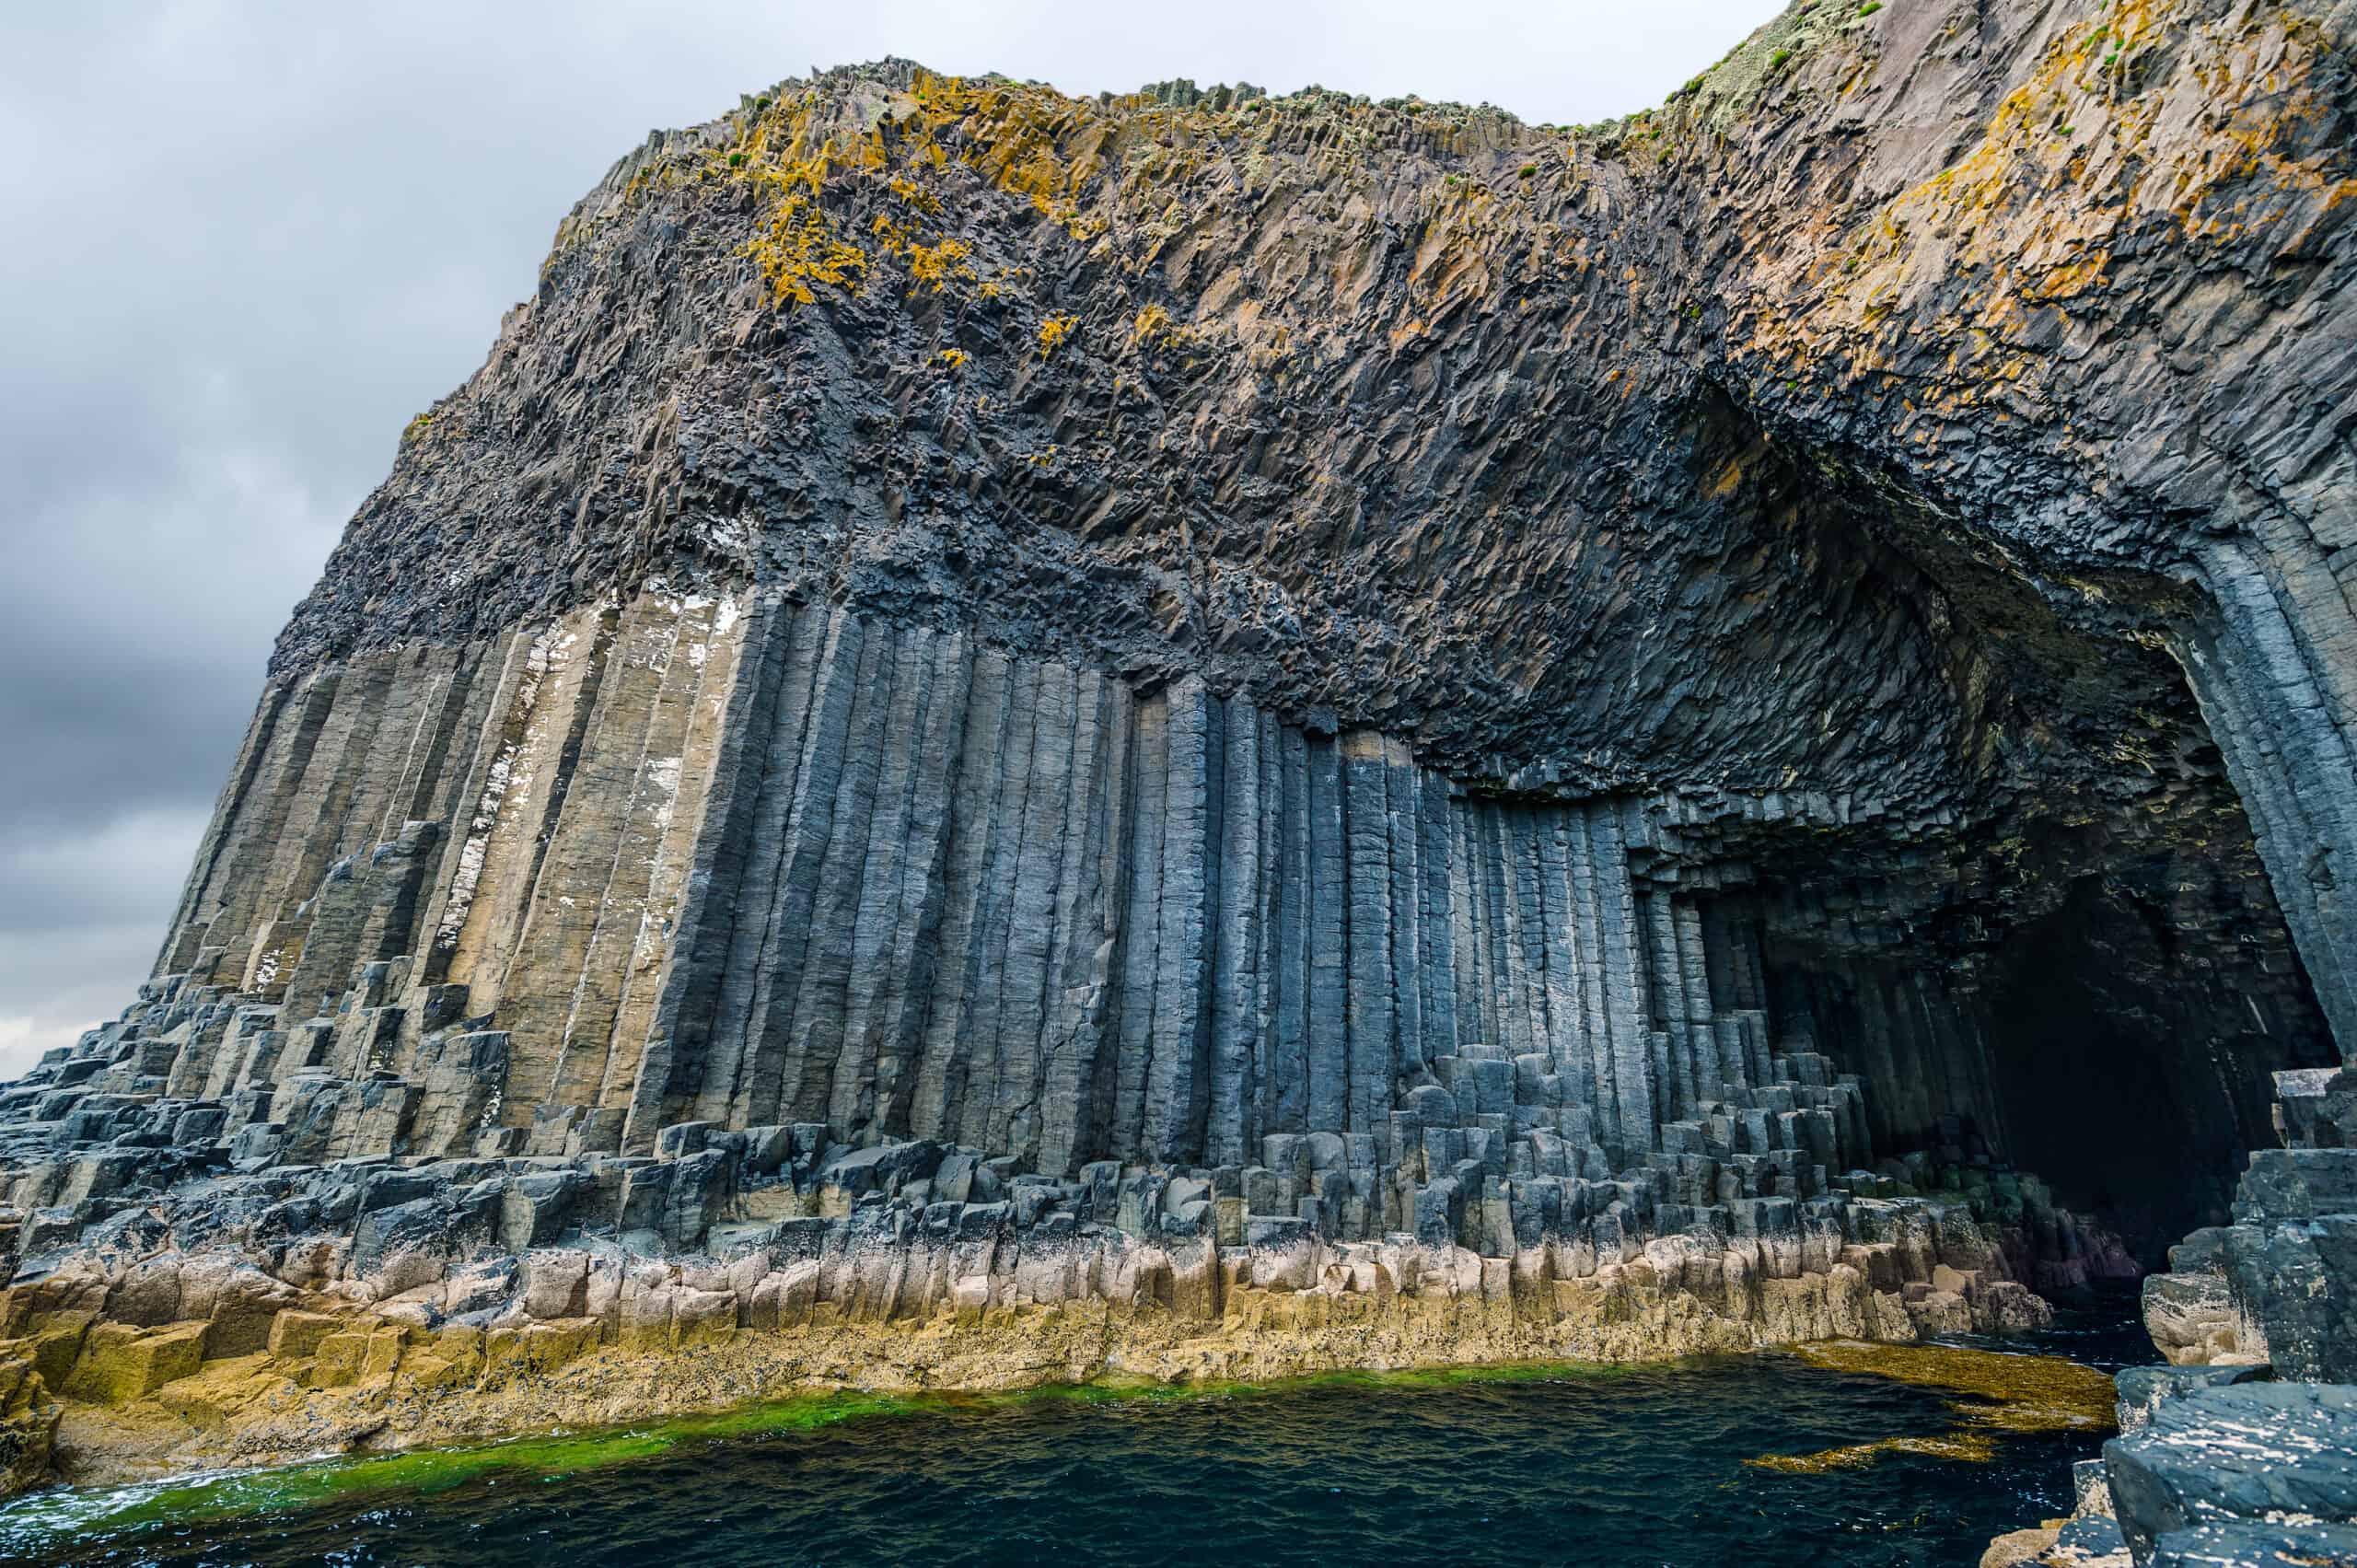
[2243, 1544]
[2246, 1451]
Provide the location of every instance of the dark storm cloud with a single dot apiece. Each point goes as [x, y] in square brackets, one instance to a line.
[244, 243]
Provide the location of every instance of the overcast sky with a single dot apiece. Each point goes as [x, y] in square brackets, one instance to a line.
[247, 242]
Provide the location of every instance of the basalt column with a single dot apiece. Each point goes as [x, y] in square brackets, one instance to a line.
[1373, 644]
[754, 864]
[944, 892]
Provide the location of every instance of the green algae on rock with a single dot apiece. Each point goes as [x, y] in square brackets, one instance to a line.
[1507, 1465]
[357, 1378]
[231, 1493]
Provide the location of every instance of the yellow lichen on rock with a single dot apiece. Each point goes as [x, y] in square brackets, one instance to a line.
[2122, 156]
[27, 1424]
[797, 248]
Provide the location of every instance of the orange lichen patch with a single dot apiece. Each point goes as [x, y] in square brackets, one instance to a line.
[2070, 280]
[915, 195]
[790, 150]
[2083, 171]
[1015, 137]
[2077, 156]
[2000, 1393]
[936, 265]
[1053, 331]
[1471, 243]
[1155, 328]
[797, 247]
[787, 160]
[939, 264]
[1142, 178]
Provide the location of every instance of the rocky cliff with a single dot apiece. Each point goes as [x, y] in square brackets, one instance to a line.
[1299, 695]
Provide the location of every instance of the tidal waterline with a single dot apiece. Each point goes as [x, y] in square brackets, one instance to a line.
[1655, 1465]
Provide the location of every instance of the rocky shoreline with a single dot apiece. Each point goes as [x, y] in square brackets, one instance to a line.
[262, 1317]
[2242, 1449]
[665, 1340]
[269, 1273]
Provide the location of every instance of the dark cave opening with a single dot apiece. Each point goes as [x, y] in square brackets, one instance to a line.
[2123, 1060]
[2097, 998]
[2126, 1075]
[2082, 973]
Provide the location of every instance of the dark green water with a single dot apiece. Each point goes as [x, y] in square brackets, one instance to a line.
[1585, 1467]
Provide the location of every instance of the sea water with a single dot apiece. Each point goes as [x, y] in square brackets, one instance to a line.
[1537, 1465]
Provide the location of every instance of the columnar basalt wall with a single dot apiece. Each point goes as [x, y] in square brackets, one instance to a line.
[701, 862]
[1022, 905]
[983, 670]
[739, 861]
[504, 829]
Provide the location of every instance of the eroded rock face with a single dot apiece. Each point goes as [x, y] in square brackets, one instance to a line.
[1288, 676]
[1204, 567]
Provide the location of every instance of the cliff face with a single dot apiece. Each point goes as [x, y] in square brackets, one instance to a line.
[1844, 471]
[1365, 669]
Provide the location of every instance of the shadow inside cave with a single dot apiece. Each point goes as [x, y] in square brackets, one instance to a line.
[2085, 974]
